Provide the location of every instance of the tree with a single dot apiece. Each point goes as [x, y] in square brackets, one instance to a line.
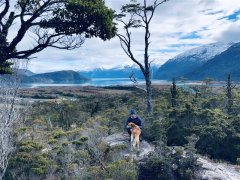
[174, 93]
[206, 86]
[132, 16]
[62, 24]
[229, 94]
[10, 116]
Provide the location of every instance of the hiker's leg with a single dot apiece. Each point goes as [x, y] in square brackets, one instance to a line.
[140, 137]
[129, 132]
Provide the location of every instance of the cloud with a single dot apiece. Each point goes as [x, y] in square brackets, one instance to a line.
[231, 33]
[177, 26]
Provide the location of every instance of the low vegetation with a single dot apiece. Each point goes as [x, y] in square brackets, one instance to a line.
[63, 139]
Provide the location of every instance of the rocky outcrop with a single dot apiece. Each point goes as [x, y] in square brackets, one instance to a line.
[219, 171]
[123, 139]
[208, 170]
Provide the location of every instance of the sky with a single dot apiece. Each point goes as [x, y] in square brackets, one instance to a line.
[177, 26]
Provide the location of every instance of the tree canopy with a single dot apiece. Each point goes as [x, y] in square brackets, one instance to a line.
[63, 24]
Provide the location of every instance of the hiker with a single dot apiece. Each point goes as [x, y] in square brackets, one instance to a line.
[135, 119]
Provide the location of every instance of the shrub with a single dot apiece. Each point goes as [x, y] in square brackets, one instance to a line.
[154, 168]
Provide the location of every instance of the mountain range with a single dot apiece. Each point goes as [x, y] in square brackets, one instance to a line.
[53, 77]
[218, 67]
[202, 62]
[116, 72]
[214, 61]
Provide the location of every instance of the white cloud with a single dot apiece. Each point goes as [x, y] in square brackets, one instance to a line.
[173, 19]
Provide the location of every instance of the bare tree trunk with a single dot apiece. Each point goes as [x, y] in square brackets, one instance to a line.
[149, 94]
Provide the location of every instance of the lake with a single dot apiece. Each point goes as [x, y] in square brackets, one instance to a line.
[100, 82]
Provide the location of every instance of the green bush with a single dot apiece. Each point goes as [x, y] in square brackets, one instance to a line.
[154, 168]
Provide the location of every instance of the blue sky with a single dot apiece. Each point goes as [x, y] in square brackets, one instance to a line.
[178, 25]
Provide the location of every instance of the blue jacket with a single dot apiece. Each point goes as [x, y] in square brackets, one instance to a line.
[136, 121]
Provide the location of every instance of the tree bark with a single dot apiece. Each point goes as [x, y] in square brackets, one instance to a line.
[149, 94]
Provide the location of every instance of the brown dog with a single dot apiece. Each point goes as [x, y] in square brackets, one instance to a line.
[135, 134]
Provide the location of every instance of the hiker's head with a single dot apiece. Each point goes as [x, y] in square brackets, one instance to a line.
[133, 113]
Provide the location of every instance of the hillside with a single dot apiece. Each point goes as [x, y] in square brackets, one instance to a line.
[220, 66]
[55, 77]
[84, 138]
[192, 59]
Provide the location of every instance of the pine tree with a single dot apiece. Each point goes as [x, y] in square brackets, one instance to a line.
[229, 94]
[174, 93]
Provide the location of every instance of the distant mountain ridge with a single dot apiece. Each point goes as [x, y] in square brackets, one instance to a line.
[68, 76]
[195, 64]
[228, 62]
[214, 60]
[116, 72]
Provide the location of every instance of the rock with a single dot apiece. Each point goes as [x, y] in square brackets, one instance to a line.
[123, 139]
[218, 171]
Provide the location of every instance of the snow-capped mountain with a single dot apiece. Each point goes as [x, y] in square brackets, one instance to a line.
[186, 62]
[116, 72]
[202, 53]
[217, 68]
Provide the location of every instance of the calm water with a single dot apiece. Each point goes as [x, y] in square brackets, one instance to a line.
[111, 82]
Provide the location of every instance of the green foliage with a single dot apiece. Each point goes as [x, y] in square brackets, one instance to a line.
[156, 168]
[29, 146]
[89, 18]
[200, 124]
[5, 67]
[29, 160]
[58, 133]
[70, 22]
[220, 139]
[121, 169]
[176, 166]
[173, 93]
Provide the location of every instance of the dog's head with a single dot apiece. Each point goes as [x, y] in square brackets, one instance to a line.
[131, 124]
